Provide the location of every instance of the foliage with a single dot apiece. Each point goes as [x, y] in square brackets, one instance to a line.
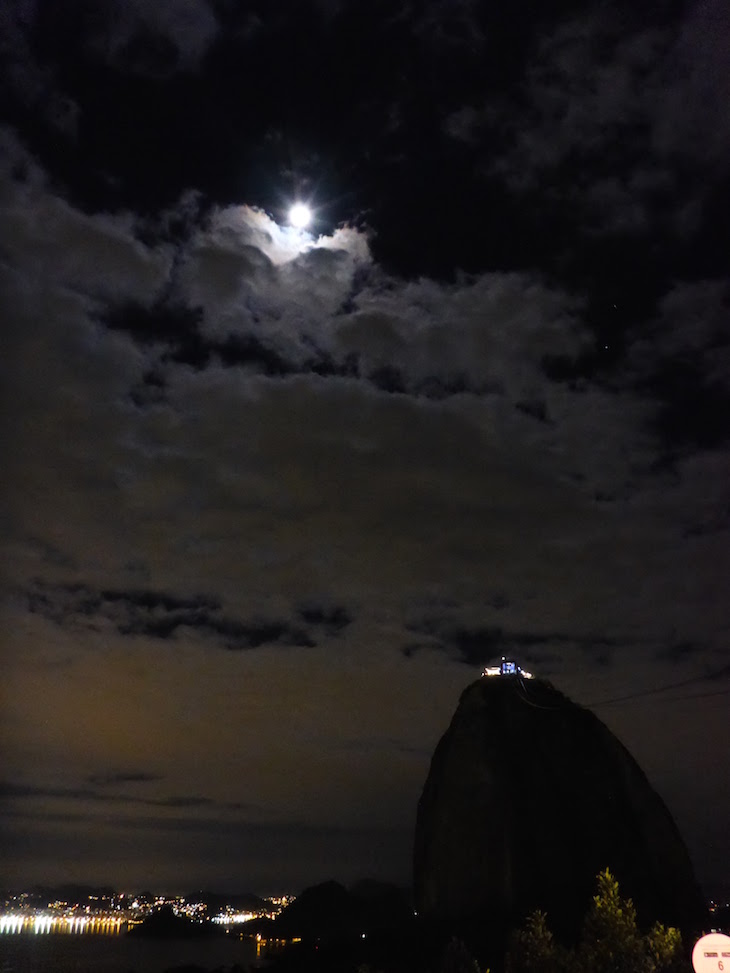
[458, 959]
[665, 947]
[534, 948]
[610, 941]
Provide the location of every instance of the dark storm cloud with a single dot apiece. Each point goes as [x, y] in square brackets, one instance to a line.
[157, 615]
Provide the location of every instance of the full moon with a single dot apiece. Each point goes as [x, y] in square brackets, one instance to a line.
[299, 215]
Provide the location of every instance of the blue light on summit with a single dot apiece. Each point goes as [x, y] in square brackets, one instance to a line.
[507, 667]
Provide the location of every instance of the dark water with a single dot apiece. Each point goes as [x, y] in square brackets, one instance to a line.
[59, 953]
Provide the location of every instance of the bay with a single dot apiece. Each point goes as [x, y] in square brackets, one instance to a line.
[59, 953]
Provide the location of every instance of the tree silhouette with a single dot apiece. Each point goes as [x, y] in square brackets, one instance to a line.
[610, 941]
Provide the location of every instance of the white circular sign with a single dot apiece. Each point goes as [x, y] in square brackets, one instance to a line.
[712, 953]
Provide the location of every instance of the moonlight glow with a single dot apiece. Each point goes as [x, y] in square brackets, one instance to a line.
[300, 215]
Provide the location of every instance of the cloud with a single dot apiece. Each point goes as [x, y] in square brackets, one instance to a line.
[673, 654]
[482, 644]
[223, 434]
[26, 79]
[10, 790]
[693, 113]
[50, 243]
[134, 38]
[613, 133]
[332, 618]
[173, 852]
[277, 433]
[679, 651]
[158, 615]
[229, 380]
[682, 360]
[124, 777]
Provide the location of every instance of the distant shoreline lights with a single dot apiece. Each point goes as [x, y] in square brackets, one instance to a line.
[64, 924]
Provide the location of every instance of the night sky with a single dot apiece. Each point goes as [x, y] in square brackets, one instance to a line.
[271, 498]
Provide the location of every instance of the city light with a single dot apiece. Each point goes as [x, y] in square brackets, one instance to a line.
[235, 917]
[42, 923]
[116, 913]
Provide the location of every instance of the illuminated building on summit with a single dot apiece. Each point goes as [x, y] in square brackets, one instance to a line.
[507, 667]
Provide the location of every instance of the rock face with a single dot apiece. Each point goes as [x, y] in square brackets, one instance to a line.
[528, 797]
